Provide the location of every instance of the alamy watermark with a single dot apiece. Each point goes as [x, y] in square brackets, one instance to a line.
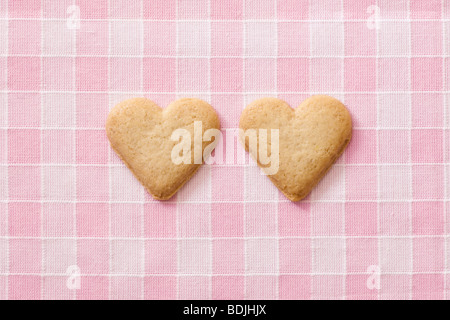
[373, 281]
[263, 144]
[73, 281]
[73, 17]
[373, 21]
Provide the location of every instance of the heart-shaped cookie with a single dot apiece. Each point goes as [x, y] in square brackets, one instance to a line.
[140, 132]
[311, 138]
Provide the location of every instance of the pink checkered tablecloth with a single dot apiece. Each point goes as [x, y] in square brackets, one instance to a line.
[75, 223]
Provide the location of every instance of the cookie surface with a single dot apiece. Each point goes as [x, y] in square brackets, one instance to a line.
[311, 138]
[140, 133]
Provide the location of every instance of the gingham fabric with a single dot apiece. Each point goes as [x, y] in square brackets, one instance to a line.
[76, 224]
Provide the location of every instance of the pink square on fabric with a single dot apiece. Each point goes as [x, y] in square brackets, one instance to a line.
[426, 74]
[361, 254]
[393, 146]
[92, 74]
[359, 39]
[395, 286]
[363, 108]
[362, 148]
[56, 188]
[24, 37]
[327, 219]
[4, 219]
[228, 256]
[194, 219]
[93, 288]
[160, 256]
[160, 38]
[24, 219]
[230, 30]
[193, 9]
[428, 218]
[295, 255]
[321, 78]
[58, 73]
[24, 146]
[228, 287]
[227, 219]
[427, 286]
[325, 287]
[361, 182]
[394, 9]
[159, 9]
[160, 287]
[24, 109]
[229, 81]
[93, 9]
[193, 74]
[159, 74]
[262, 9]
[55, 288]
[361, 219]
[422, 43]
[58, 110]
[57, 220]
[356, 288]
[194, 288]
[92, 109]
[125, 9]
[294, 287]
[261, 287]
[58, 146]
[126, 74]
[24, 8]
[293, 38]
[24, 73]
[226, 10]
[232, 177]
[325, 9]
[126, 219]
[360, 74]
[24, 287]
[92, 38]
[92, 183]
[293, 74]
[427, 109]
[328, 255]
[293, 9]
[392, 74]
[294, 218]
[25, 255]
[430, 9]
[3, 142]
[126, 288]
[427, 146]
[428, 182]
[125, 38]
[93, 256]
[92, 219]
[160, 219]
[92, 147]
[428, 255]
[260, 221]
[260, 75]
[20, 191]
[395, 218]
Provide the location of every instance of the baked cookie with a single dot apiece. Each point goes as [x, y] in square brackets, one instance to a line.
[311, 138]
[140, 132]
